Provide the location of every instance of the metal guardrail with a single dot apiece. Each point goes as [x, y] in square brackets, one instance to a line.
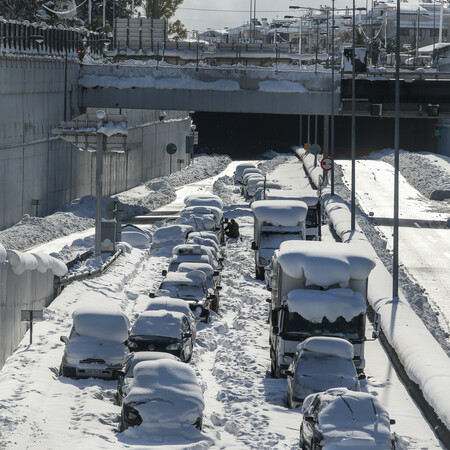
[62, 282]
[20, 37]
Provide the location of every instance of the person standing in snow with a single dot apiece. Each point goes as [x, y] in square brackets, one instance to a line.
[232, 229]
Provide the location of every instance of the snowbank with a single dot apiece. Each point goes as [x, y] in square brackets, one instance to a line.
[423, 358]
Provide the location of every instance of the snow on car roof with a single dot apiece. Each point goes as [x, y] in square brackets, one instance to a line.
[280, 212]
[325, 263]
[168, 304]
[251, 170]
[165, 393]
[353, 415]
[101, 322]
[158, 323]
[136, 238]
[193, 276]
[216, 212]
[172, 233]
[327, 345]
[207, 269]
[139, 357]
[188, 249]
[203, 200]
[199, 222]
[315, 305]
[309, 197]
[204, 234]
[203, 241]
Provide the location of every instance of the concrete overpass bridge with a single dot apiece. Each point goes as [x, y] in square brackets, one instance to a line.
[243, 89]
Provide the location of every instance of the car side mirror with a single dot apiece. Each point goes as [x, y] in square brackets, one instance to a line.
[268, 300]
[254, 246]
[392, 421]
[218, 287]
[120, 374]
[275, 330]
[152, 295]
[269, 289]
[309, 419]
[362, 376]
[164, 273]
[64, 339]
[289, 373]
[216, 273]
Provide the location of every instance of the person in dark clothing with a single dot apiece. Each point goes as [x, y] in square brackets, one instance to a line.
[232, 229]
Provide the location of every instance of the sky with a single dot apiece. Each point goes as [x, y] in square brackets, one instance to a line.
[217, 14]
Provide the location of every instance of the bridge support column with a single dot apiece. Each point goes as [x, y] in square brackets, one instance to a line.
[326, 135]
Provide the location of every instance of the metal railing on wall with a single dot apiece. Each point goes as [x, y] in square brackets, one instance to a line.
[42, 39]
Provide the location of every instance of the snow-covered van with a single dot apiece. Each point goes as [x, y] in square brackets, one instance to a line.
[318, 289]
[312, 199]
[276, 221]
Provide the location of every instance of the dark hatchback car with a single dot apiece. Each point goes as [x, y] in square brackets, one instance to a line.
[162, 331]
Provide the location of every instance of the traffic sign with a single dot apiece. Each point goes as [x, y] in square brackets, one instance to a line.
[315, 149]
[171, 149]
[115, 210]
[326, 163]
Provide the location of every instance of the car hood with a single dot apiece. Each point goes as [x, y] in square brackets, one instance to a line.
[369, 437]
[82, 348]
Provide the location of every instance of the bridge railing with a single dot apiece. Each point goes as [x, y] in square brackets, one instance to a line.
[41, 39]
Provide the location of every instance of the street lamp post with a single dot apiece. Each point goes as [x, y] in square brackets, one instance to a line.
[332, 98]
[101, 115]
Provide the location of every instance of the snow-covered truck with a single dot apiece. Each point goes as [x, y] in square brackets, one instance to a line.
[312, 199]
[275, 221]
[318, 289]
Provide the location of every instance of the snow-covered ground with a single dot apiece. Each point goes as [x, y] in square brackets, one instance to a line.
[245, 407]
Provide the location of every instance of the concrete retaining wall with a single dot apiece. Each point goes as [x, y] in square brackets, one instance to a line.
[34, 165]
[30, 290]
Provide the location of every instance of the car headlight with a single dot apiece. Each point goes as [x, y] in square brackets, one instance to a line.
[174, 346]
[132, 344]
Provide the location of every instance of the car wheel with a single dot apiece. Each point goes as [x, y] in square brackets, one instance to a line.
[274, 370]
[259, 273]
[123, 426]
[207, 318]
[301, 443]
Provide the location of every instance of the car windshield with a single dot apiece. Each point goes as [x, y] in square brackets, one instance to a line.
[273, 240]
[183, 290]
[354, 329]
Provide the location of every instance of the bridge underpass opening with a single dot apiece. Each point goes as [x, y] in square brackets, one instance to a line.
[246, 136]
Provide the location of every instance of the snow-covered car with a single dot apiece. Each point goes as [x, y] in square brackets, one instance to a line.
[212, 280]
[96, 345]
[250, 188]
[162, 331]
[174, 304]
[320, 363]
[246, 178]
[203, 200]
[127, 373]
[240, 170]
[194, 250]
[175, 233]
[217, 213]
[204, 235]
[199, 222]
[339, 418]
[190, 287]
[217, 251]
[262, 186]
[164, 396]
